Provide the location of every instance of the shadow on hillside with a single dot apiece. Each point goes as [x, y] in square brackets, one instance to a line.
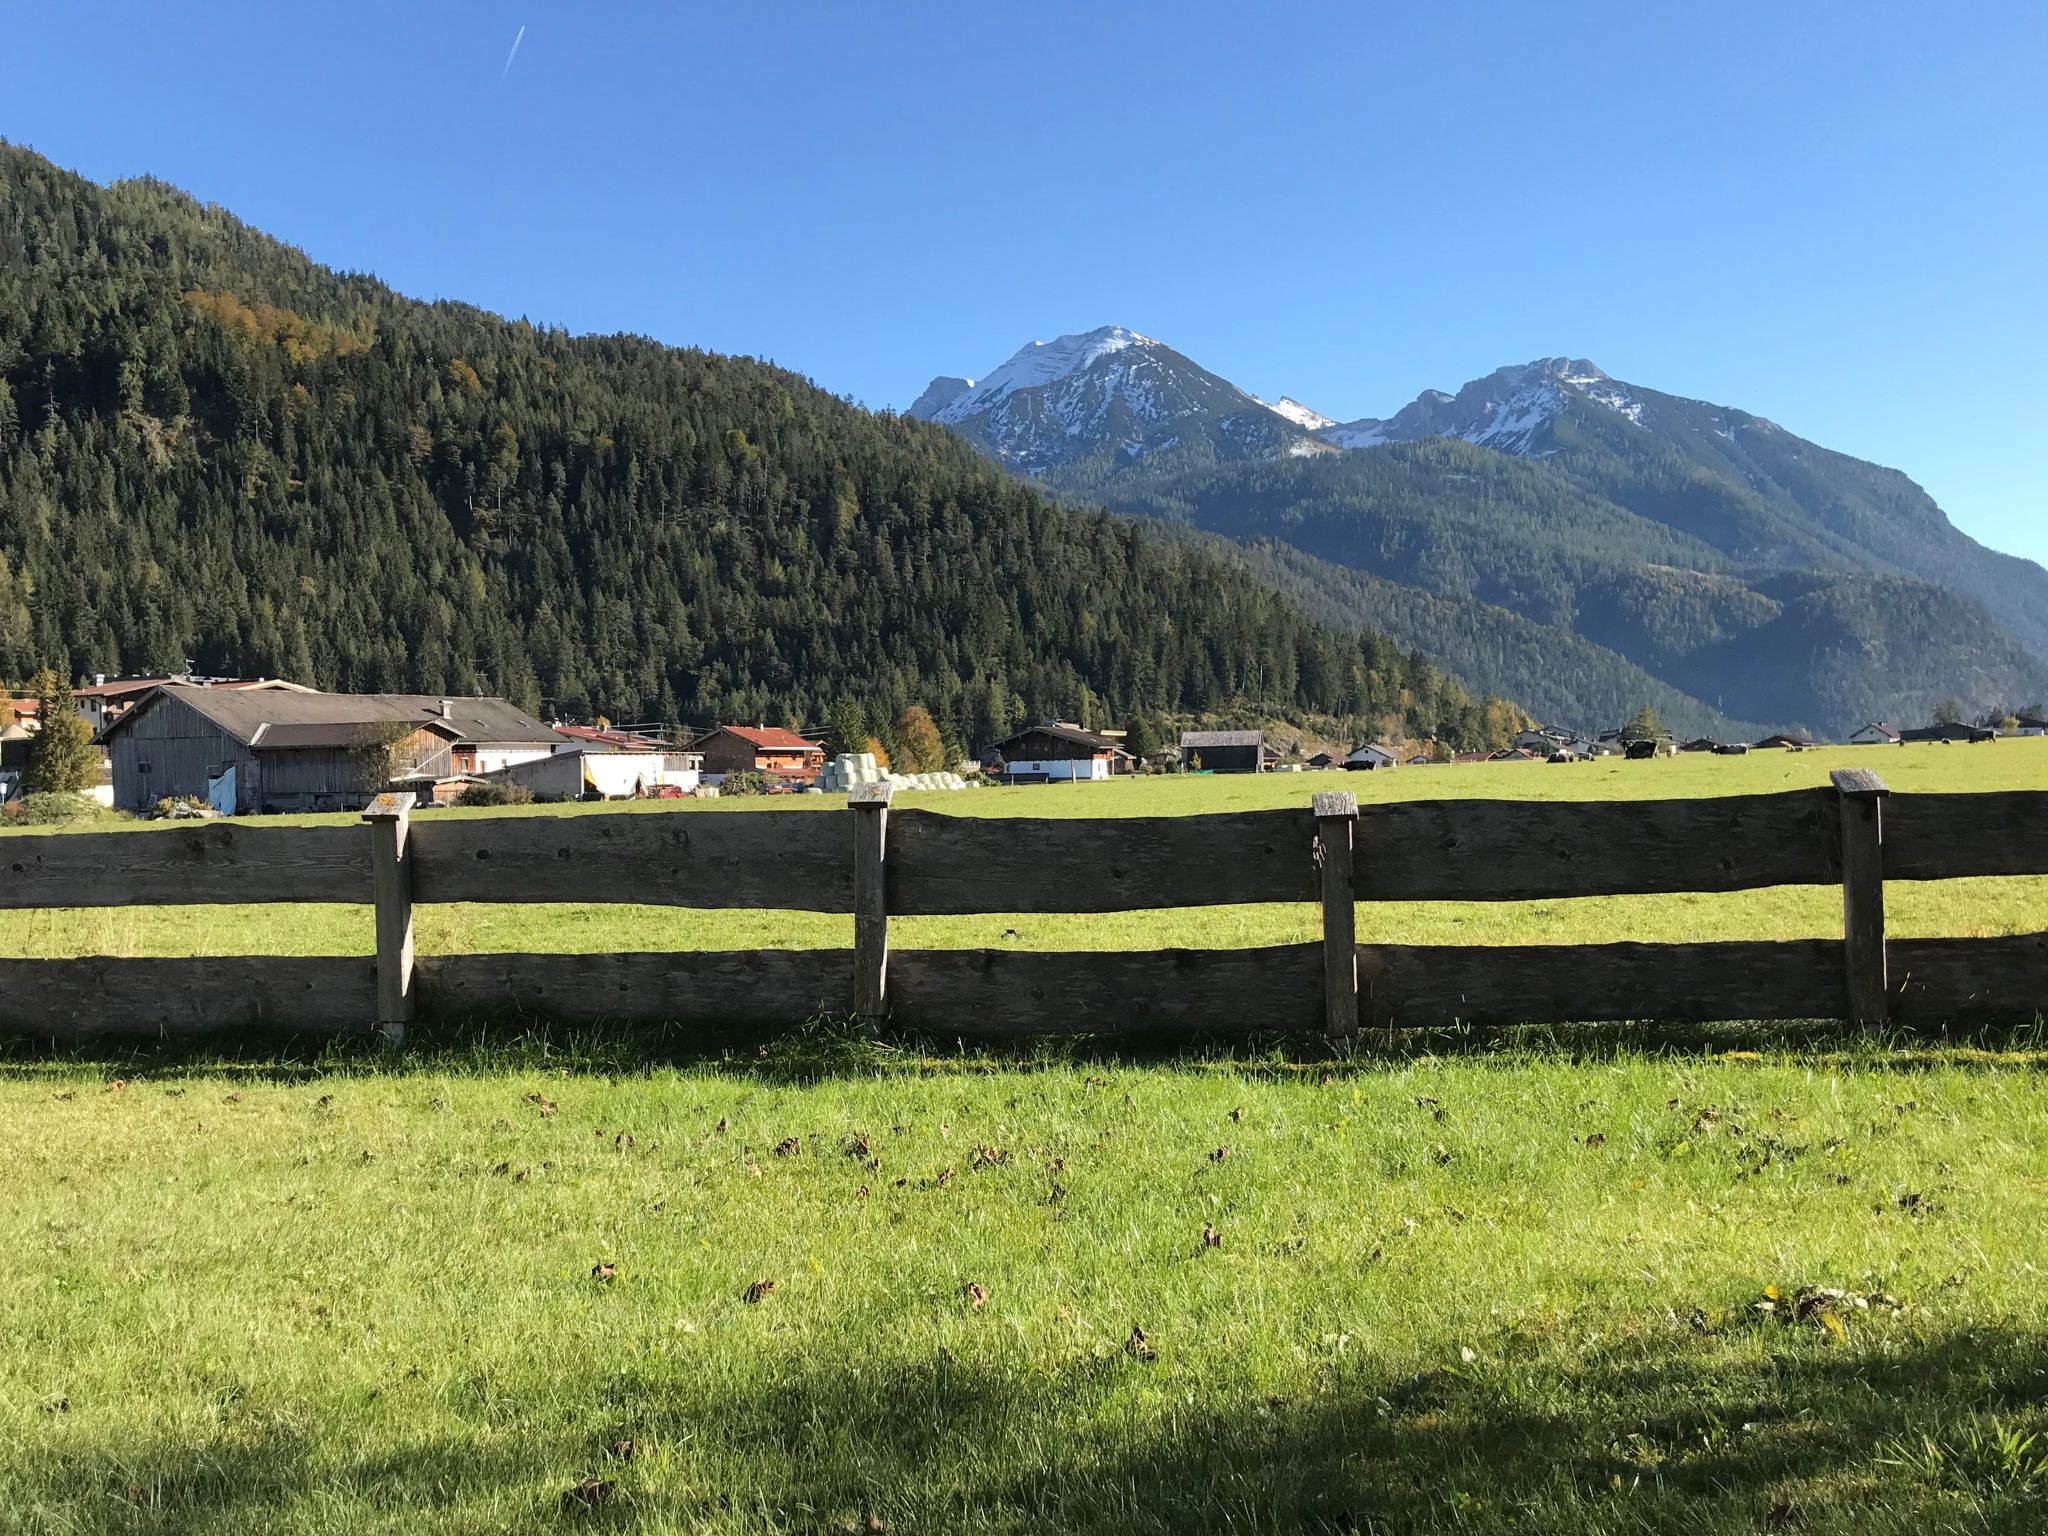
[827, 1049]
[1804, 1435]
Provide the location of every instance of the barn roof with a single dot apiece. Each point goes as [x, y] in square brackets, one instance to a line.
[1199, 739]
[266, 719]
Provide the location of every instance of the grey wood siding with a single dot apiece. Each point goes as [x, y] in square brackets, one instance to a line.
[171, 749]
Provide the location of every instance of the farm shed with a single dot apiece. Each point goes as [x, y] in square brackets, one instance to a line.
[1224, 751]
[579, 773]
[1950, 732]
[1039, 754]
[247, 751]
[1875, 735]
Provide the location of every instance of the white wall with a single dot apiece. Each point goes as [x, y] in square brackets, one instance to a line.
[489, 759]
[1060, 767]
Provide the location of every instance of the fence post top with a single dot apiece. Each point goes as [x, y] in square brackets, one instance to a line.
[1858, 781]
[1335, 803]
[390, 807]
[870, 794]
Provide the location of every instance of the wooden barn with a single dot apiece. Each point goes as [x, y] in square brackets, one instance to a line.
[1223, 751]
[246, 751]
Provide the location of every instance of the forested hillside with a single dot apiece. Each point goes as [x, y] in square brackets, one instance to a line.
[214, 451]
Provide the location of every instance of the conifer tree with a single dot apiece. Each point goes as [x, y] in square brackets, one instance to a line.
[61, 756]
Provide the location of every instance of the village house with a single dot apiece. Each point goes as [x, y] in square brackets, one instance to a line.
[1370, 756]
[2028, 725]
[1042, 754]
[1791, 741]
[1877, 735]
[760, 749]
[247, 751]
[1223, 751]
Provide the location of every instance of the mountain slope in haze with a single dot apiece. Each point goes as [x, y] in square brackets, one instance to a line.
[213, 450]
[1108, 394]
[1760, 576]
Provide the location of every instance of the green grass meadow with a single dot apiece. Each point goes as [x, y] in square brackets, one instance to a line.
[1730, 1280]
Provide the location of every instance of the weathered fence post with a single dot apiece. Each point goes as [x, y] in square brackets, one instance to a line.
[1336, 815]
[870, 805]
[391, 870]
[1863, 947]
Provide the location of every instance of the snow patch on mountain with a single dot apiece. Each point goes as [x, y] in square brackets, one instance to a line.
[1290, 409]
[1507, 410]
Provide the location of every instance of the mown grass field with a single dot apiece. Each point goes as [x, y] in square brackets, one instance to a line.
[1955, 908]
[1607, 1281]
[1533, 1290]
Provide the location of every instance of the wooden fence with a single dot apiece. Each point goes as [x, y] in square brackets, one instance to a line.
[915, 863]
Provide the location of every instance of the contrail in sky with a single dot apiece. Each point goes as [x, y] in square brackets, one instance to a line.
[513, 54]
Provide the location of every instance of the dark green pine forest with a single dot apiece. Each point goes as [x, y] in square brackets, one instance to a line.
[215, 452]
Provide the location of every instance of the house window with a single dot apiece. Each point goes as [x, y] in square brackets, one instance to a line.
[142, 767]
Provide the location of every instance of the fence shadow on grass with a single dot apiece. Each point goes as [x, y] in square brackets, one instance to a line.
[825, 1049]
[1708, 1434]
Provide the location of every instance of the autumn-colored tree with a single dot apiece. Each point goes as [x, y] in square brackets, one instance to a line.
[922, 748]
[873, 744]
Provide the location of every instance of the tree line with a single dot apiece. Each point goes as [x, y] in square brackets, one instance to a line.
[217, 454]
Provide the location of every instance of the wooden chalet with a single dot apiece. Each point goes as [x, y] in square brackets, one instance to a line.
[1041, 754]
[758, 748]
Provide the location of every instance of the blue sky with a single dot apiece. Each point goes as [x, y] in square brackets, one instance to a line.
[1833, 215]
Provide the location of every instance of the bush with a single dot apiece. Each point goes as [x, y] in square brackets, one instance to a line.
[53, 809]
[495, 794]
[748, 781]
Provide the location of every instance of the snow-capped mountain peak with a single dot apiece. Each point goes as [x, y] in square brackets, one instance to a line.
[1110, 390]
[1041, 363]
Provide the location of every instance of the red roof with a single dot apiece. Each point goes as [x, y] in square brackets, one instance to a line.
[769, 738]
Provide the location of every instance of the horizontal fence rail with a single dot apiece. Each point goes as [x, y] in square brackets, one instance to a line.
[881, 862]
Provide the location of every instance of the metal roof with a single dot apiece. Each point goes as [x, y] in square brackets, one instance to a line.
[1222, 739]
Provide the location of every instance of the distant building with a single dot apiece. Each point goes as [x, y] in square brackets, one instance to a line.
[1041, 754]
[1224, 751]
[1877, 735]
[1370, 756]
[2027, 725]
[265, 750]
[1323, 760]
[1791, 741]
[1955, 732]
[1702, 744]
[761, 748]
